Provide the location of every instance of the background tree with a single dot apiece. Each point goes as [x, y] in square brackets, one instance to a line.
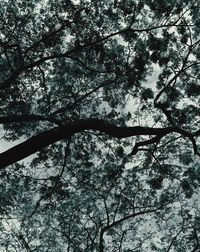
[104, 96]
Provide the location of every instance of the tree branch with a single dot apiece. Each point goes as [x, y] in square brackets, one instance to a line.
[115, 223]
[155, 139]
[6, 83]
[53, 135]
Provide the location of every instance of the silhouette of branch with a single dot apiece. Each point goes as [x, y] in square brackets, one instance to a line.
[53, 135]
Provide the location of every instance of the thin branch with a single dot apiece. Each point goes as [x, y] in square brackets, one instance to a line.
[115, 223]
[63, 109]
[18, 71]
[144, 143]
[174, 78]
[173, 239]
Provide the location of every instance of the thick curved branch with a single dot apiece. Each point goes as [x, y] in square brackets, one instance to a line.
[51, 136]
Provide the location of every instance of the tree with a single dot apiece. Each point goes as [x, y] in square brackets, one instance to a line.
[102, 98]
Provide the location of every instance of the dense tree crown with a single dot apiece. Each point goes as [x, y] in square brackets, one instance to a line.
[99, 108]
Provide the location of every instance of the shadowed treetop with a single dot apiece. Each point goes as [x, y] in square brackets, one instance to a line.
[102, 98]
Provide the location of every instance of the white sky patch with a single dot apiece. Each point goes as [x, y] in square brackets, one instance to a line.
[77, 1]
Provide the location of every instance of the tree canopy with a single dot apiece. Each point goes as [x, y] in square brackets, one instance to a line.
[99, 108]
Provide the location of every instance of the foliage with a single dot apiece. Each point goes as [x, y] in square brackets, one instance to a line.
[106, 93]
